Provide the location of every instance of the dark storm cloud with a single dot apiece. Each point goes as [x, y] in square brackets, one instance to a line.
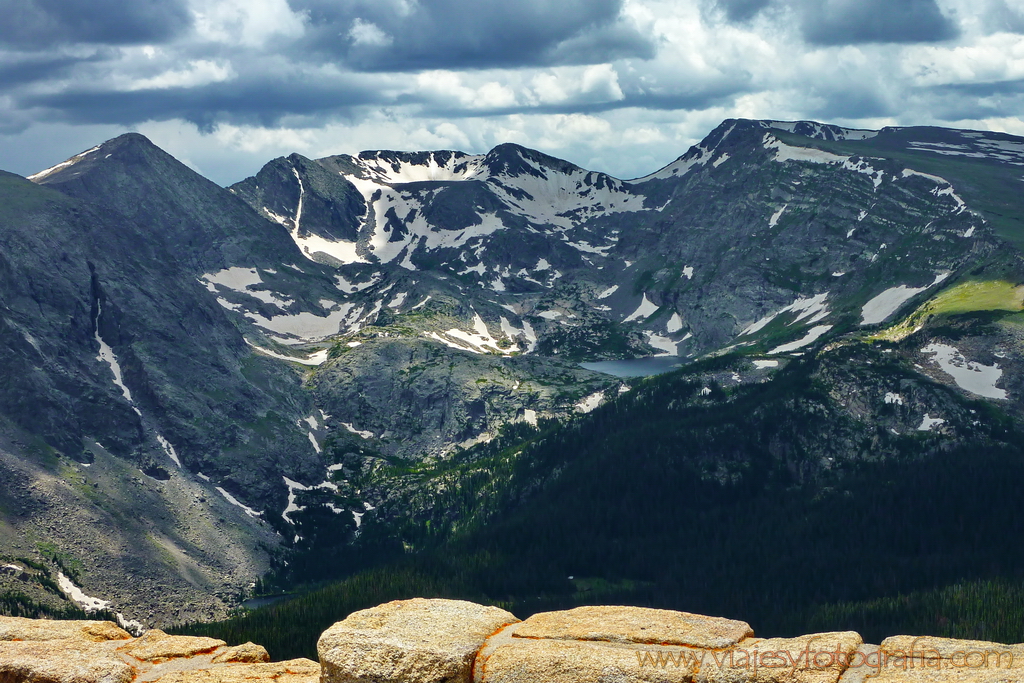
[849, 22]
[742, 10]
[28, 69]
[982, 90]
[474, 34]
[853, 22]
[977, 100]
[850, 103]
[46, 23]
[241, 102]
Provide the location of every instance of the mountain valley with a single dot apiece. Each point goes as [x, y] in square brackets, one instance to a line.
[357, 362]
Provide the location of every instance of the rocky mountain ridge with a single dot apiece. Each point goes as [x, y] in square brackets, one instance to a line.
[219, 358]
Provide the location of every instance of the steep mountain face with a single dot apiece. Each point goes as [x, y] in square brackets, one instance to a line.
[105, 346]
[212, 374]
[751, 227]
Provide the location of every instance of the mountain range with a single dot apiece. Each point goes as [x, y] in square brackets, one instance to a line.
[203, 384]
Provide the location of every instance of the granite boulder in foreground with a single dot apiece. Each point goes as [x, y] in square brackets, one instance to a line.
[413, 641]
[453, 641]
[449, 641]
[43, 651]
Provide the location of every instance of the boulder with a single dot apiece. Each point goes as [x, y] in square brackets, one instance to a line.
[753, 660]
[292, 671]
[566, 661]
[246, 652]
[635, 625]
[19, 628]
[156, 646]
[62, 661]
[412, 641]
[924, 659]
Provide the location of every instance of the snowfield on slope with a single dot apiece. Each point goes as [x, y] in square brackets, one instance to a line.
[973, 377]
[890, 301]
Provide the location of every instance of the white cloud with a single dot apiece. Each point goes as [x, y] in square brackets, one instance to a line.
[368, 33]
[448, 87]
[601, 82]
[199, 72]
[640, 113]
[250, 23]
[998, 57]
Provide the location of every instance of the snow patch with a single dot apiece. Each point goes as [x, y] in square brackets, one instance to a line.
[478, 341]
[663, 344]
[890, 301]
[64, 164]
[697, 156]
[774, 220]
[762, 364]
[234, 501]
[973, 377]
[812, 335]
[644, 310]
[314, 359]
[90, 604]
[168, 449]
[892, 398]
[927, 422]
[75, 594]
[784, 152]
[357, 432]
[106, 355]
[674, 324]
[351, 288]
[304, 326]
[513, 332]
[588, 403]
[293, 486]
[235, 278]
[812, 309]
[608, 292]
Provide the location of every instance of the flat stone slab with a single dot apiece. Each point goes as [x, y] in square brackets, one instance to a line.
[635, 625]
[62, 661]
[246, 652]
[291, 671]
[156, 646]
[815, 658]
[412, 641]
[925, 659]
[20, 628]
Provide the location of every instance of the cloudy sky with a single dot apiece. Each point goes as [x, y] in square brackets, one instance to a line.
[622, 86]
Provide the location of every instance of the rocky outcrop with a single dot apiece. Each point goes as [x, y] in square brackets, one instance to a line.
[445, 641]
[632, 625]
[20, 629]
[413, 641]
[43, 651]
[453, 641]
